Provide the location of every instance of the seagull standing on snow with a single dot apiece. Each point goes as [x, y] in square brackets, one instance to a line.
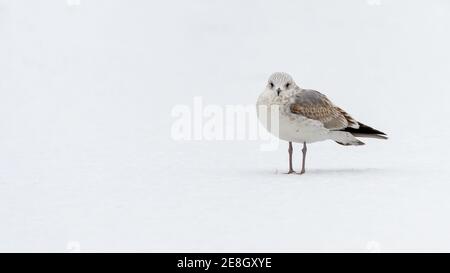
[307, 116]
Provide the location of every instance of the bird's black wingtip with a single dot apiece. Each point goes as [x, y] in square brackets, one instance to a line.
[364, 129]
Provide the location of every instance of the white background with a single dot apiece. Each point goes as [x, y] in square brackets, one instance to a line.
[87, 161]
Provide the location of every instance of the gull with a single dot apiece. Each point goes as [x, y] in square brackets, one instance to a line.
[307, 116]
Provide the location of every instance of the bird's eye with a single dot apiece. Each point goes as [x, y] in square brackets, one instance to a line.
[271, 84]
[287, 85]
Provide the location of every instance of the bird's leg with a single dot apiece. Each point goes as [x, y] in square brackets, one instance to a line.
[304, 158]
[290, 150]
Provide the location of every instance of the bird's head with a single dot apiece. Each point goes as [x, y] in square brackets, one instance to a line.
[280, 82]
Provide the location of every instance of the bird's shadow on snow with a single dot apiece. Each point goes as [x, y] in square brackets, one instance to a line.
[332, 171]
[350, 171]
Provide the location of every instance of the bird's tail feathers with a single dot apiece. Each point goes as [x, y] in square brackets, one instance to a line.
[345, 138]
[353, 143]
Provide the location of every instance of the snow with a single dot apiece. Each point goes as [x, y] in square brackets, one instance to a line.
[87, 161]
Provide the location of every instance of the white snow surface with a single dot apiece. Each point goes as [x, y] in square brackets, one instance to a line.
[87, 161]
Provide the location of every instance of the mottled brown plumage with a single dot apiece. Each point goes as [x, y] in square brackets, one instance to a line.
[314, 105]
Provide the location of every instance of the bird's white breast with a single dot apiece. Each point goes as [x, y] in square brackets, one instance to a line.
[291, 127]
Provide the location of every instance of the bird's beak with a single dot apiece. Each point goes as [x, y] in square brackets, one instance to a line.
[278, 91]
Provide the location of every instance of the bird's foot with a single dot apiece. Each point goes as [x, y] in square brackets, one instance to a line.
[290, 171]
[302, 172]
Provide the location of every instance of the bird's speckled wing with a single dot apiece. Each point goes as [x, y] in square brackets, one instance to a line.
[314, 105]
